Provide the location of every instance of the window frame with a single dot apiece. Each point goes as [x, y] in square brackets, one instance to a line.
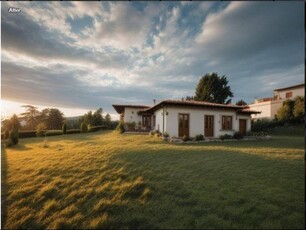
[224, 125]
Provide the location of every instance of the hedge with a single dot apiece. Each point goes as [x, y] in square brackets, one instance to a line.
[73, 131]
[26, 134]
[53, 132]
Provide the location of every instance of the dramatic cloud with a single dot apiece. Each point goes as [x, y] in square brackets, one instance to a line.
[94, 54]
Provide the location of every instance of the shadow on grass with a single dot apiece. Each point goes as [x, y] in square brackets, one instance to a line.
[286, 142]
[4, 185]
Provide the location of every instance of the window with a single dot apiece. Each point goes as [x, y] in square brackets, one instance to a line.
[227, 122]
[289, 94]
[154, 121]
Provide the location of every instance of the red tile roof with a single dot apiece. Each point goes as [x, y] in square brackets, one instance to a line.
[147, 109]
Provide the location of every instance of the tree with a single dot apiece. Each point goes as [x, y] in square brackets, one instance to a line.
[41, 129]
[189, 98]
[64, 128]
[108, 120]
[93, 119]
[30, 116]
[299, 108]
[285, 113]
[84, 128]
[213, 88]
[8, 124]
[55, 119]
[241, 102]
[97, 118]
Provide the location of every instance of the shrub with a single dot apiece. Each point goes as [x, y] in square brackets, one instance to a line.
[120, 127]
[166, 134]
[13, 137]
[73, 131]
[237, 135]
[40, 129]
[225, 136]
[26, 134]
[199, 137]
[151, 133]
[265, 125]
[5, 135]
[185, 138]
[64, 128]
[53, 132]
[84, 128]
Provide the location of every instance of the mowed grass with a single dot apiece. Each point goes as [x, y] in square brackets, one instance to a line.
[107, 180]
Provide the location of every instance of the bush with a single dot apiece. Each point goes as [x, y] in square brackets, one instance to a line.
[13, 137]
[265, 125]
[26, 134]
[84, 128]
[120, 127]
[225, 136]
[199, 137]
[73, 131]
[40, 129]
[166, 134]
[185, 138]
[151, 133]
[237, 136]
[53, 132]
[5, 135]
[64, 128]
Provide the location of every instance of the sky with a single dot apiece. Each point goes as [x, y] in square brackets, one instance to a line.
[81, 56]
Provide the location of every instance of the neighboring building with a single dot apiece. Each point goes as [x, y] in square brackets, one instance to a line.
[269, 106]
[179, 118]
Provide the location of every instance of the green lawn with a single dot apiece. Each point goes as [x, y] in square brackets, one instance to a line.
[107, 180]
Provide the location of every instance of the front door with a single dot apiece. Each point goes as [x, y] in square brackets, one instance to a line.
[146, 121]
[242, 126]
[209, 126]
[183, 125]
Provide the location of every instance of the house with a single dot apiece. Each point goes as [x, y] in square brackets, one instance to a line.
[269, 106]
[179, 118]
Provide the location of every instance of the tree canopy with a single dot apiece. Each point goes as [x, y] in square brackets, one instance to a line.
[292, 110]
[213, 88]
[241, 102]
[30, 116]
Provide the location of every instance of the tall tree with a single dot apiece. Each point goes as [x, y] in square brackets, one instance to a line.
[299, 108]
[285, 113]
[97, 118]
[30, 116]
[241, 102]
[108, 120]
[8, 124]
[54, 118]
[213, 88]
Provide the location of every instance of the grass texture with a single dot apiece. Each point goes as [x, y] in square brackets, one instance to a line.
[108, 180]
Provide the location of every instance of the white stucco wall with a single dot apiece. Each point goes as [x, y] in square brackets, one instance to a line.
[131, 115]
[159, 120]
[196, 121]
[295, 92]
[268, 109]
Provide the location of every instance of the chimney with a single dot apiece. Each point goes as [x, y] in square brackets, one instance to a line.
[154, 101]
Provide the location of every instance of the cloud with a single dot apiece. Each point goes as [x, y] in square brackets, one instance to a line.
[90, 55]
